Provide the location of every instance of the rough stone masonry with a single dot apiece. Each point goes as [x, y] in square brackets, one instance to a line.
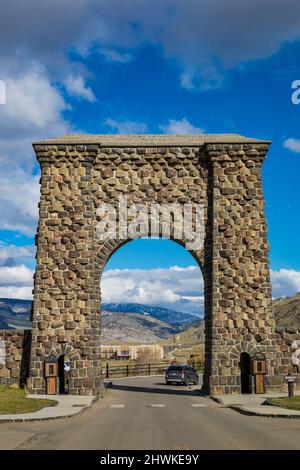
[223, 172]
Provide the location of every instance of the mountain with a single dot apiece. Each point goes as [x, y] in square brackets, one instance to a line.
[15, 313]
[287, 312]
[172, 317]
[3, 325]
[134, 328]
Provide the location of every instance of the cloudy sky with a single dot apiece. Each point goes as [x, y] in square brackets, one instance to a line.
[139, 66]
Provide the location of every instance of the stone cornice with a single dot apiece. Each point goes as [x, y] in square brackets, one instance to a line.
[147, 140]
[220, 153]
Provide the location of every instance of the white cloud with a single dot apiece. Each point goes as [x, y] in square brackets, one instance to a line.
[285, 282]
[182, 126]
[126, 127]
[19, 197]
[176, 288]
[13, 276]
[12, 292]
[12, 255]
[76, 87]
[32, 104]
[292, 144]
[194, 298]
[115, 56]
[33, 111]
[16, 282]
[201, 78]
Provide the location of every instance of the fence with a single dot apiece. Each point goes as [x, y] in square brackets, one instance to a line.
[130, 370]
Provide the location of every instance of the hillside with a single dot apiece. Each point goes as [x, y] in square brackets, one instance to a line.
[134, 328]
[185, 343]
[4, 326]
[287, 312]
[15, 313]
[172, 317]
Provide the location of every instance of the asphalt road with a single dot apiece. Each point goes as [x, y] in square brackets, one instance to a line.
[144, 413]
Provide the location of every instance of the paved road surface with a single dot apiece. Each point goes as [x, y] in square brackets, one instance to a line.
[143, 413]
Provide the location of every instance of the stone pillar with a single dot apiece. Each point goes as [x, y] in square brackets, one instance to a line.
[66, 315]
[239, 307]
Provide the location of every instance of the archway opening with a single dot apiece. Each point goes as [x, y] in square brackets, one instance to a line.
[152, 307]
[62, 389]
[246, 377]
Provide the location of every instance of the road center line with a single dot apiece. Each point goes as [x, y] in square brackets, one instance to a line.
[157, 405]
[198, 405]
[116, 406]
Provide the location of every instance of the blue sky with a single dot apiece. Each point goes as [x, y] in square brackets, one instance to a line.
[148, 67]
[149, 254]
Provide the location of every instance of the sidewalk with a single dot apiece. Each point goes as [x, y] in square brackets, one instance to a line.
[253, 405]
[67, 405]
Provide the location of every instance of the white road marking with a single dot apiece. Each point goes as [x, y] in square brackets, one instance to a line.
[157, 405]
[116, 406]
[198, 405]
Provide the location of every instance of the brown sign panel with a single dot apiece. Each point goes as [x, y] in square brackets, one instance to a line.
[258, 366]
[51, 367]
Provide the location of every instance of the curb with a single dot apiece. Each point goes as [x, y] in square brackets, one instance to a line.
[262, 415]
[217, 400]
[248, 412]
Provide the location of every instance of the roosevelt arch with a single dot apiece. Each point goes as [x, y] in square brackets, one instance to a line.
[221, 171]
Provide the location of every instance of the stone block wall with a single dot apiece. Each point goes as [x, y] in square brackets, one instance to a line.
[284, 339]
[17, 357]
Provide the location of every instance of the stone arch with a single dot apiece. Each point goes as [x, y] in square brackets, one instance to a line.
[65, 350]
[245, 346]
[107, 249]
[222, 172]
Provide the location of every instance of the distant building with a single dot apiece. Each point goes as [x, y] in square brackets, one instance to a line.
[136, 352]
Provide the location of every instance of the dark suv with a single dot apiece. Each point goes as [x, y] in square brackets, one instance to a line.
[182, 373]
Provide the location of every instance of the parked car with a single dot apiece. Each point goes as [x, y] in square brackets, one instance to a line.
[182, 373]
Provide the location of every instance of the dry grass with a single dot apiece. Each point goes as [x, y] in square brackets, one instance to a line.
[118, 362]
[14, 400]
[292, 403]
